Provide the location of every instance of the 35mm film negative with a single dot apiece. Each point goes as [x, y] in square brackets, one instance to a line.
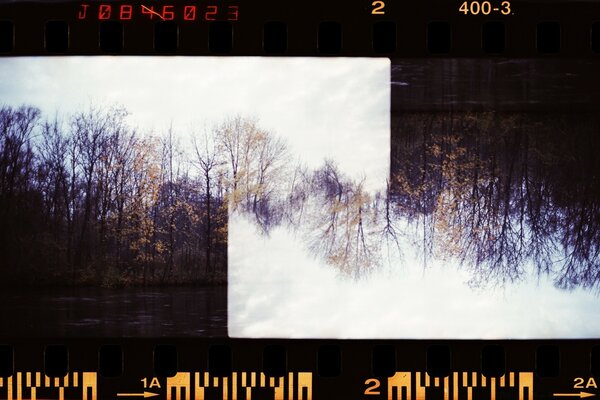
[377, 201]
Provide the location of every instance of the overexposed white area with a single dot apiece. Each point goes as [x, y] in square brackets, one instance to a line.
[277, 289]
[303, 99]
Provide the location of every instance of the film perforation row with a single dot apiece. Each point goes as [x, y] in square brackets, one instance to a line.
[330, 362]
[440, 38]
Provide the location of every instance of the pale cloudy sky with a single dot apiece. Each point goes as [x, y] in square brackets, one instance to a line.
[324, 107]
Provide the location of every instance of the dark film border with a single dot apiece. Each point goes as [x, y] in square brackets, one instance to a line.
[433, 28]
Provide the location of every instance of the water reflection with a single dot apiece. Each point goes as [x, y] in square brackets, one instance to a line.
[496, 160]
[502, 190]
[126, 312]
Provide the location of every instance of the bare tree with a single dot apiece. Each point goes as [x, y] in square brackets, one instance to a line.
[19, 203]
[208, 162]
[91, 132]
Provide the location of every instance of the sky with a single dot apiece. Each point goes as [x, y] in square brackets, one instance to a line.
[319, 105]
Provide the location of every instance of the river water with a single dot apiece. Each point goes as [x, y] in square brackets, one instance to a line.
[123, 312]
[495, 84]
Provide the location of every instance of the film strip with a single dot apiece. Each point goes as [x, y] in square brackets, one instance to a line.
[471, 29]
[321, 200]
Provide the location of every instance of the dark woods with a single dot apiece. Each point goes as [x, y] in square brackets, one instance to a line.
[503, 192]
[88, 200]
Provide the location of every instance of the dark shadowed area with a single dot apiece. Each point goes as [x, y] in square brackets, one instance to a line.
[124, 312]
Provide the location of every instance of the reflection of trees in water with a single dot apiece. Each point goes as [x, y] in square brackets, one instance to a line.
[497, 191]
[334, 214]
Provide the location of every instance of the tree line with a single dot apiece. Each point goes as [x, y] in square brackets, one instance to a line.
[87, 199]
